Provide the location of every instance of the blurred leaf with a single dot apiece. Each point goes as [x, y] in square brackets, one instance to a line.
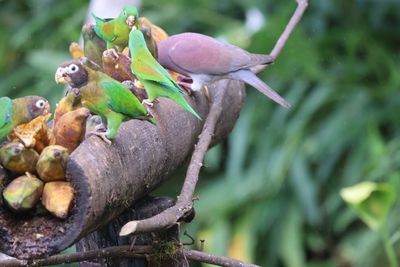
[290, 245]
[370, 201]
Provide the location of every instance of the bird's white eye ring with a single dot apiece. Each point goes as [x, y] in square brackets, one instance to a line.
[40, 104]
[73, 68]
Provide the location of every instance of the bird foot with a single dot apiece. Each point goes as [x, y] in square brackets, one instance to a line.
[206, 92]
[102, 135]
[100, 128]
[186, 86]
[148, 103]
[114, 54]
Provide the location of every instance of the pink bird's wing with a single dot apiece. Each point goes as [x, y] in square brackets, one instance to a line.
[197, 53]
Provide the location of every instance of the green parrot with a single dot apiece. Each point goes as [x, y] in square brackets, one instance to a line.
[116, 31]
[102, 95]
[155, 79]
[19, 111]
[93, 45]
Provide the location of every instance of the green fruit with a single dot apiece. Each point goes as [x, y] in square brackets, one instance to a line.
[23, 192]
[18, 159]
[52, 163]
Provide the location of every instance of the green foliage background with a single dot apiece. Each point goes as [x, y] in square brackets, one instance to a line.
[270, 193]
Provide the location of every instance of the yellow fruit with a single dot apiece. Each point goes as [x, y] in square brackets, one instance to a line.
[17, 158]
[57, 198]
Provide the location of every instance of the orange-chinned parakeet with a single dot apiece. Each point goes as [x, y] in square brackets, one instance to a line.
[19, 111]
[116, 31]
[155, 79]
[102, 95]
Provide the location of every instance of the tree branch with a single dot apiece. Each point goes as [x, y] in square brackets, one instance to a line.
[124, 252]
[200, 256]
[184, 203]
[294, 20]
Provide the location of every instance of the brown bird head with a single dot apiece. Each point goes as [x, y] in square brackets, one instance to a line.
[72, 73]
[37, 106]
[88, 32]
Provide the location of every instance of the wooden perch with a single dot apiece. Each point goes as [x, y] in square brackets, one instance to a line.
[108, 178]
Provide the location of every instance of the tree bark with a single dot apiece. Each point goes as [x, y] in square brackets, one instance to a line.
[108, 235]
[108, 179]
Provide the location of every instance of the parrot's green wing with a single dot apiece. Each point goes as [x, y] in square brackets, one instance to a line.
[157, 75]
[121, 100]
[147, 68]
[5, 110]
[104, 28]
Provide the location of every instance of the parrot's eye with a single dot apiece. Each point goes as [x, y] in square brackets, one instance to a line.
[18, 149]
[73, 68]
[125, 14]
[40, 104]
[57, 154]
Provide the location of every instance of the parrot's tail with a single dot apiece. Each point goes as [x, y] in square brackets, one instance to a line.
[148, 118]
[151, 120]
[249, 77]
[98, 25]
[186, 106]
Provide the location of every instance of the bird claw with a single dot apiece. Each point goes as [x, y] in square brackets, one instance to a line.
[185, 86]
[206, 92]
[148, 103]
[102, 135]
[100, 128]
[111, 54]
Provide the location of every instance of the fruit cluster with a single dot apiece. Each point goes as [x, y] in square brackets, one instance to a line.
[36, 157]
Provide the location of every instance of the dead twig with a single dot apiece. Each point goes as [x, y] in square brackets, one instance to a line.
[123, 252]
[294, 20]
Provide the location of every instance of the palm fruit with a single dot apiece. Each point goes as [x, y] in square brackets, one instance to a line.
[57, 198]
[33, 134]
[69, 130]
[17, 158]
[52, 163]
[23, 192]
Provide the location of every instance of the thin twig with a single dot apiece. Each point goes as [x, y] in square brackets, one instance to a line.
[123, 252]
[200, 256]
[192, 240]
[116, 251]
[294, 20]
[184, 204]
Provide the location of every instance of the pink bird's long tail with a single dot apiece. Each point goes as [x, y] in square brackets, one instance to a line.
[249, 77]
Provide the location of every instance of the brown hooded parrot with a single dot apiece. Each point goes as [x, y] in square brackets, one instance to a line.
[102, 95]
[19, 111]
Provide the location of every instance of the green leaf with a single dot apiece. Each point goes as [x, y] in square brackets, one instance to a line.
[371, 202]
[291, 239]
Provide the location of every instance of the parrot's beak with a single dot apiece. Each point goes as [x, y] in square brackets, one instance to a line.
[130, 21]
[61, 76]
[47, 108]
